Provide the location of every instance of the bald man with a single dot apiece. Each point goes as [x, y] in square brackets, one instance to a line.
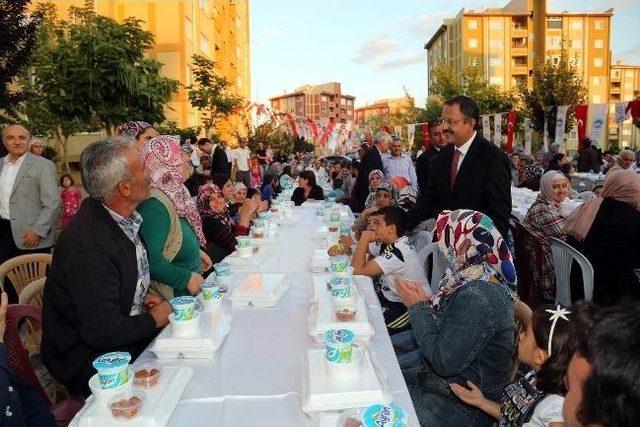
[29, 199]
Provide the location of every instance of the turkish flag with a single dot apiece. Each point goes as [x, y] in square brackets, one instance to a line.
[326, 133]
[313, 125]
[426, 136]
[292, 123]
[385, 128]
[511, 126]
[634, 106]
[581, 118]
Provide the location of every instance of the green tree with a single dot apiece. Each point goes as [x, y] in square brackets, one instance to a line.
[210, 93]
[443, 82]
[17, 42]
[190, 133]
[553, 85]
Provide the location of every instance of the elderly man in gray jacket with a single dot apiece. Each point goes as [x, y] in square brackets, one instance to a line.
[29, 198]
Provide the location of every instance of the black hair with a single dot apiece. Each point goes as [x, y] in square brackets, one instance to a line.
[252, 192]
[337, 182]
[66, 175]
[309, 176]
[220, 179]
[203, 141]
[595, 187]
[586, 142]
[393, 215]
[610, 395]
[286, 170]
[550, 377]
[194, 182]
[267, 179]
[468, 107]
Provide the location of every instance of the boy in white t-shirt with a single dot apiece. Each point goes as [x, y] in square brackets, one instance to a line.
[393, 257]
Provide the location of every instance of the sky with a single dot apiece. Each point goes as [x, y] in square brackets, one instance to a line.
[375, 48]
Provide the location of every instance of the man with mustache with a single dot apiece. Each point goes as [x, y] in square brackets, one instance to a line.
[438, 142]
[470, 173]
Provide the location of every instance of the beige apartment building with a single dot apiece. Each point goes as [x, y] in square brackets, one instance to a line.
[216, 29]
[625, 86]
[383, 108]
[318, 102]
[502, 42]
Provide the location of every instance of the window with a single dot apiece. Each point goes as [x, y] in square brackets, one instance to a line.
[576, 25]
[473, 61]
[496, 43]
[576, 61]
[473, 24]
[598, 43]
[575, 43]
[203, 4]
[596, 81]
[599, 25]
[597, 62]
[628, 73]
[188, 28]
[324, 98]
[496, 24]
[616, 73]
[204, 43]
[596, 99]
[473, 43]
[496, 80]
[554, 23]
[556, 60]
[628, 85]
[495, 61]
[553, 42]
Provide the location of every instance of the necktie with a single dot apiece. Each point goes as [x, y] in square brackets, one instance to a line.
[454, 166]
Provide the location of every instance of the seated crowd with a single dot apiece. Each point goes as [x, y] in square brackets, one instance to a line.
[159, 214]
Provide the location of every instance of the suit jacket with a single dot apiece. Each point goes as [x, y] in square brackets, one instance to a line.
[370, 161]
[219, 161]
[88, 297]
[34, 201]
[422, 167]
[483, 183]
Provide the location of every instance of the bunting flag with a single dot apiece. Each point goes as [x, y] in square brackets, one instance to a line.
[292, 124]
[561, 120]
[397, 130]
[511, 127]
[528, 135]
[486, 127]
[582, 112]
[385, 128]
[334, 135]
[545, 133]
[313, 127]
[426, 137]
[497, 129]
[598, 117]
[621, 112]
[411, 134]
[634, 108]
[327, 132]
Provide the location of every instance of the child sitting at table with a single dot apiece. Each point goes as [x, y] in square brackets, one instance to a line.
[337, 193]
[392, 257]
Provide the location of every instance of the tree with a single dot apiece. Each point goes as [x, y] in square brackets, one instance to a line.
[210, 93]
[190, 133]
[444, 83]
[553, 85]
[17, 41]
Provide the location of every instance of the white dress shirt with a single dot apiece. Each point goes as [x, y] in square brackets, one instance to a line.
[7, 179]
[463, 149]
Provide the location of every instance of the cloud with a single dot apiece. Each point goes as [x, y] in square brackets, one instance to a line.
[629, 55]
[374, 49]
[271, 32]
[424, 26]
[401, 61]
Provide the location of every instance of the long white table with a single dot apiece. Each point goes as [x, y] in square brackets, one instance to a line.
[255, 378]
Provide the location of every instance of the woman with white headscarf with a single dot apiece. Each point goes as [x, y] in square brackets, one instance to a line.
[545, 219]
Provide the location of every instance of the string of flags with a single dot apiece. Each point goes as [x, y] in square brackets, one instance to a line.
[590, 119]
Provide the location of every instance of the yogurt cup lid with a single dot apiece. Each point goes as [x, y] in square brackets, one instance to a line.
[380, 415]
[210, 284]
[339, 336]
[183, 300]
[113, 360]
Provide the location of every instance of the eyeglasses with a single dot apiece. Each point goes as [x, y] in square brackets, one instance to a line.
[449, 122]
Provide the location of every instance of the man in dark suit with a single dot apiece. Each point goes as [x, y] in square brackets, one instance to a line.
[423, 161]
[470, 173]
[95, 296]
[371, 160]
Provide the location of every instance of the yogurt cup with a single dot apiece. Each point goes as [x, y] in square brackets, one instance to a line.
[184, 307]
[257, 232]
[334, 216]
[320, 211]
[338, 345]
[338, 264]
[243, 241]
[264, 215]
[210, 291]
[345, 228]
[245, 251]
[381, 415]
[113, 369]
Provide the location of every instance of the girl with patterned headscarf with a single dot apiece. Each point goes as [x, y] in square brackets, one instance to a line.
[171, 228]
[466, 330]
[141, 131]
[219, 230]
[376, 177]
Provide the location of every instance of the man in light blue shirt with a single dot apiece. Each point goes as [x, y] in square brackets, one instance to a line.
[399, 164]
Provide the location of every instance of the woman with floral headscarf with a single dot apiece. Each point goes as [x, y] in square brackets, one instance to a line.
[141, 131]
[171, 228]
[219, 230]
[386, 195]
[466, 330]
[376, 177]
[545, 219]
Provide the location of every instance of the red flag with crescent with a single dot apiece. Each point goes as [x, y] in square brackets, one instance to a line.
[511, 126]
[385, 128]
[292, 123]
[326, 133]
[426, 136]
[313, 125]
[581, 118]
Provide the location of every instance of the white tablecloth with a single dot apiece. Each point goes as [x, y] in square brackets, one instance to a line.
[256, 377]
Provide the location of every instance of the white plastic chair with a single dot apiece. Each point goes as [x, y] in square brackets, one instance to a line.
[438, 268]
[563, 256]
[421, 239]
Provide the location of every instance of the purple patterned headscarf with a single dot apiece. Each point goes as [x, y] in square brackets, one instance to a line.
[134, 129]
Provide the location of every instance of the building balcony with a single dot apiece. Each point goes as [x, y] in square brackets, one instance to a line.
[519, 70]
[519, 50]
[518, 31]
[615, 78]
[615, 90]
